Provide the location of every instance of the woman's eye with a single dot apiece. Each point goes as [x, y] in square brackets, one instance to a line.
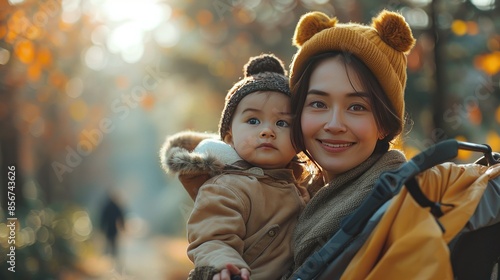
[282, 123]
[357, 107]
[253, 121]
[317, 104]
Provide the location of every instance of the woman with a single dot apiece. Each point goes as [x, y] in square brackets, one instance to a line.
[348, 83]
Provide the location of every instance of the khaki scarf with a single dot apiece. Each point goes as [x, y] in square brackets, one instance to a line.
[323, 214]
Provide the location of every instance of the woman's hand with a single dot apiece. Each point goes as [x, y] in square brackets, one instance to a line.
[231, 269]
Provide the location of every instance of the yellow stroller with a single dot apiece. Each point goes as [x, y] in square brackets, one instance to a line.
[417, 230]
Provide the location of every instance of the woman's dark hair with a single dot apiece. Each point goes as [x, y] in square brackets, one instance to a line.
[386, 119]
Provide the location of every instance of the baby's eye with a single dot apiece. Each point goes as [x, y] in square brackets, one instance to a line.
[282, 123]
[253, 121]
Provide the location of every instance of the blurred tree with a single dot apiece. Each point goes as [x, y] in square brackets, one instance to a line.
[37, 51]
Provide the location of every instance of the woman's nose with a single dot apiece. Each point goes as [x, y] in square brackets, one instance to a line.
[335, 123]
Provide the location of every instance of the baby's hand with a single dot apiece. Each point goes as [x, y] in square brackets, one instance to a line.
[231, 272]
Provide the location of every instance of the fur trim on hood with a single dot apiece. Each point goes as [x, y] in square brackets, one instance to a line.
[195, 157]
[177, 154]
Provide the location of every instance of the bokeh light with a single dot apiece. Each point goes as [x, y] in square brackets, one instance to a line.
[484, 4]
[4, 56]
[95, 57]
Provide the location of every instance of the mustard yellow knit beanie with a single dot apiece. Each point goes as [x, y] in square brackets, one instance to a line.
[382, 47]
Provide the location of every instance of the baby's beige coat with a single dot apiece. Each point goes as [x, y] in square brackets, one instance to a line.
[245, 219]
[240, 216]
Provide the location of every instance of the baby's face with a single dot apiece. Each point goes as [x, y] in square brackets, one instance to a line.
[260, 129]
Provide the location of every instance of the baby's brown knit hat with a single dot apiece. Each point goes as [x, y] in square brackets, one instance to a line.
[265, 72]
[382, 47]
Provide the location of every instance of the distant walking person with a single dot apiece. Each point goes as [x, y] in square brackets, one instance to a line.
[111, 222]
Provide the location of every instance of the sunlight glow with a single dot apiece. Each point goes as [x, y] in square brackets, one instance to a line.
[124, 36]
[130, 21]
[147, 14]
[127, 39]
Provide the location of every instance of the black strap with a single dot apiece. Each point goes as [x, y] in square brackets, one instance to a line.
[422, 200]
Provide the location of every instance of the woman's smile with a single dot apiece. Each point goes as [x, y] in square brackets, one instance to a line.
[336, 146]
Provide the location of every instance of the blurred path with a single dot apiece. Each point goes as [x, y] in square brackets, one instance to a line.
[155, 258]
[140, 258]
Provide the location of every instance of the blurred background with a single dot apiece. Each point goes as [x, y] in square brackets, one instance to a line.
[89, 89]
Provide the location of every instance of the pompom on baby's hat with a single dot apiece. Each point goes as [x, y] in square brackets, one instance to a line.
[382, 46]
[265, 72]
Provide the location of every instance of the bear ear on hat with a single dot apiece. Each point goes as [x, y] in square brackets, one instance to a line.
[394, 31]
[310, 24]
